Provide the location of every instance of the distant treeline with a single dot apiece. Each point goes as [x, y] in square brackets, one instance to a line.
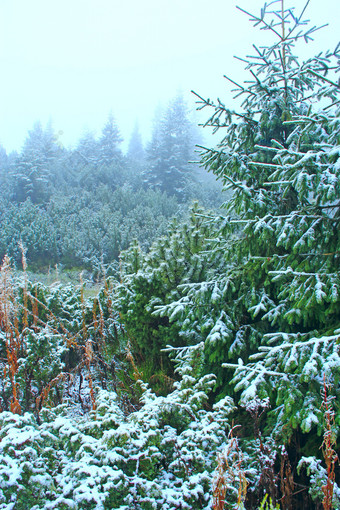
[78, 206]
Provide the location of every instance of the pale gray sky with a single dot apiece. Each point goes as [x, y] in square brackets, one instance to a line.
[73, 61]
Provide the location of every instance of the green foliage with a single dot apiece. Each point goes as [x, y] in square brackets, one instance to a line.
[50, 338]
[268, 504]
[150, 281]
[266, 305]
[27, 459]
[280, 291]
[318, 480]
[86, 230]
[29, 223]
[158, 456]
[170, 151]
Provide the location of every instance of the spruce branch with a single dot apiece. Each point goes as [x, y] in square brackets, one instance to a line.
[255, 19]
[220, 108]
[252, 369]
[242, 89]
[323, 78]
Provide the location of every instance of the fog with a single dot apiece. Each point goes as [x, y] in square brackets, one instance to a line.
[73, 61]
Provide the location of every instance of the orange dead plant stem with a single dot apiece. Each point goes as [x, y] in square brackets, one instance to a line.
[88, 360]
[88, 351]
[82, 301]
[99, 326]
[136, 373]
[35, 311]
[287, 481]
[45, 392]
[94, 313]
[228, 475]
[8, 311]
[330, 456]
[13, 368]
[25, 300]
[220, 485]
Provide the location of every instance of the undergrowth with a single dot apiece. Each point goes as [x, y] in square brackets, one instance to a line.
[56, 344]
[80, 429]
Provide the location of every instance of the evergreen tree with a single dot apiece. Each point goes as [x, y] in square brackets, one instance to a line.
[3, 159]
[280, 158]
[109, 142]
[87, 148]
[170, 150]
[136, 152]
[151, 281]
[83, 162]
[32, 172]
[4, 164]
[273, 313]
[110, 166]
[135, 160]
[153, 156]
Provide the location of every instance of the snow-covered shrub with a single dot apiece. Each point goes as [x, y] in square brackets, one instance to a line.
[318, 480]
[158, 457]
[51, 340]
[28, 460]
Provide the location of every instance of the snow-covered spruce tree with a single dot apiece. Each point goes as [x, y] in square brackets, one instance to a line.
[153, 280]
[32, 172]
[170, 150]
[280, 156]
[109, 142]
[275, 305]
[108, 163]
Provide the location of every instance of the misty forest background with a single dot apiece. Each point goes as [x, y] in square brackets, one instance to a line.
[202, 370]
[80, 207]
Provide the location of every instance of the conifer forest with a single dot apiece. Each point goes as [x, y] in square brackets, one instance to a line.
[170, 314]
